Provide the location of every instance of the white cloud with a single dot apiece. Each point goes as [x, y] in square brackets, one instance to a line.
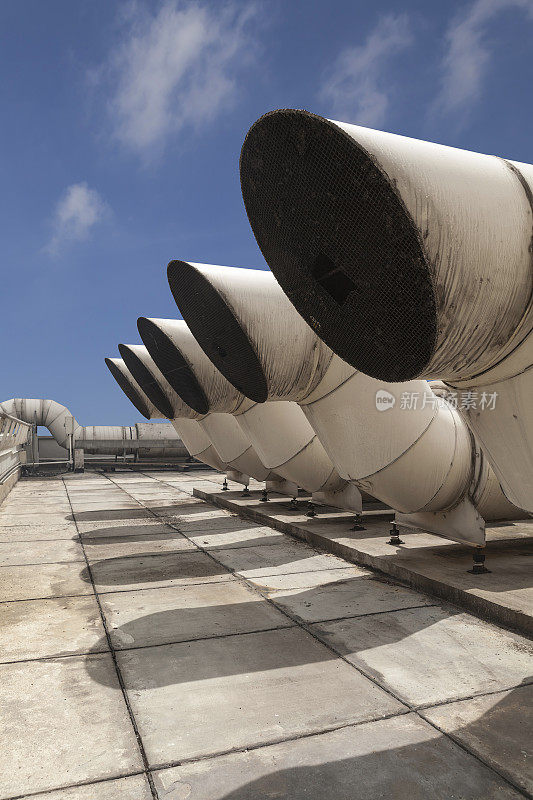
[79, 209]
[355, 88]
[176, 68]
[467, 56]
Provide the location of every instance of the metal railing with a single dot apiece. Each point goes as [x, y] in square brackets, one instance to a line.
[14, 434]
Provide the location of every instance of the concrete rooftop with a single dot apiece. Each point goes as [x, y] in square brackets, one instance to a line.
[155, 646]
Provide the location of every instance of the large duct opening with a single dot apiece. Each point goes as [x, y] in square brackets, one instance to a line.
[216, 329]
[173, 365]
[340, 242]
[146, 381]
[129, 390]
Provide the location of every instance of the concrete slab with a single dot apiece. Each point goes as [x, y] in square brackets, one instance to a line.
[36, 520]
[54, 627]
[145, 526]
[431, 655]
[31, 533]
[425, 562]
[213, 536]
[39, 552]
[49, 580]
[498, 728]
[276, 559]
[162, 616]
[149, 572]
[307, 580]
[168, 541]
[200, 698]
[354, 597]
[135, 787]
[63, 726]
[398, 759]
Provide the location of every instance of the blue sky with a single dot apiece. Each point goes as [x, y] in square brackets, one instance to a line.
[121, 129]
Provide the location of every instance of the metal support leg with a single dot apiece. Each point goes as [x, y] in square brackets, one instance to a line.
[264, 496]
[357, 523]
[245, 492]
[225, 486]
[311, 510]
[293, 505]
[395, 535]
[478, 567]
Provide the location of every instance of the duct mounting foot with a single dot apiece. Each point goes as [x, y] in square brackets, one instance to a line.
[478, 567]
[264, 496]
[225, 486]
[245, 492]
[394, 535]
[311, 510]
[357, 523]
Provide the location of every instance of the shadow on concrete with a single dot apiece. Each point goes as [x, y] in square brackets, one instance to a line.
[403, 758]
[206, 623]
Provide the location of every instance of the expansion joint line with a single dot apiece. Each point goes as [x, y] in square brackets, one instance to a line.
[146, 765]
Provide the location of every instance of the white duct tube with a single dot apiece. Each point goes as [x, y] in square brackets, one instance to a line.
[408, 259]
[94, 439]
[280, 433]
[230, 444]
[189, 431]
[420, 461]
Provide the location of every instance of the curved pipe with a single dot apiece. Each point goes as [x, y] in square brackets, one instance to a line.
[96, 439]
[231, 445]
[280, 432]
[416, 261]
[190, 432]
[418, 460]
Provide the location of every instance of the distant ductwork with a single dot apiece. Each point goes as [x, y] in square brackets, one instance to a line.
[408, 259]
[233, 448]
[194, 438]
[141, 439]
[421, 461]
[279, 432]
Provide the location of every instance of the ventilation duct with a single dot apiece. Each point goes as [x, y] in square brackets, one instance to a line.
[280, 432]
[233, 448]
[154, 440]
[190, 432]
[422, 460]
[408, 259]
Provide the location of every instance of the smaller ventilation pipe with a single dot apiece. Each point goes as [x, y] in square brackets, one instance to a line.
[418, 457]
[230, 444]
[279, 432]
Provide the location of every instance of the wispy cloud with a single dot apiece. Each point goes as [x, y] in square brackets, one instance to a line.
[79, 209]
[355, 89]
[176, 68]
[467, 57]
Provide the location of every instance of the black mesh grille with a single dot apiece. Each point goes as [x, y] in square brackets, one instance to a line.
[146, 381]
[216, 330]
[173, 365]
[340, 242]
[129, 390]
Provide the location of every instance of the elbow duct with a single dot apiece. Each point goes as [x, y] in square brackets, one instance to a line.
[279, 432]
[143, 439]
[192, 436]
[421, 460]
[233, 450]
[409, 259]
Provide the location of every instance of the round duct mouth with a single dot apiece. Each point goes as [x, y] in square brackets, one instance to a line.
[146, 381]
[172, 363]
[341, 243]
[129, 390]
[217, 330]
